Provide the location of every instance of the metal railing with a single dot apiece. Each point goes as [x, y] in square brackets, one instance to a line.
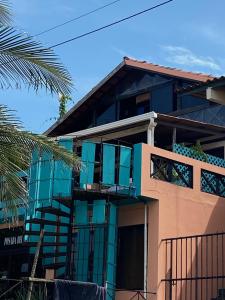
[195, 267]
[171, 171]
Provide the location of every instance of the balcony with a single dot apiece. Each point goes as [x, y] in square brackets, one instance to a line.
[161, 167]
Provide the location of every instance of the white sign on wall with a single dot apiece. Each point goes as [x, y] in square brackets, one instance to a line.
[13, 240]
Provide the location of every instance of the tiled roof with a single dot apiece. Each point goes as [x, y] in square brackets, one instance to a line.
[136, 64]
[167, 70]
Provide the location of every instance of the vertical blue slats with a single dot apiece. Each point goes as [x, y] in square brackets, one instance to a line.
[98, 264]
[33, 182]
[108, 175]
[88, 159]
[111, 257]
[99, 211]
[99, 208]
[63, 173]
[82, 241]
[137, 168]
[124, 170]
[45, 180]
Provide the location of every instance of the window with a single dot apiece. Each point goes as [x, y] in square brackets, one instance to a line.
[162, 99]
[143, 103]
[127, 108]
[130, 260]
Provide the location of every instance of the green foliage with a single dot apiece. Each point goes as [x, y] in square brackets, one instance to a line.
[23, 60]
[63, 100]
[198, 152]
[5, 13]
[16, 147]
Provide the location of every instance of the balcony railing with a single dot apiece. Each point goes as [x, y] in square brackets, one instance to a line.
[172, 171]
[195, 267]
[184, 172]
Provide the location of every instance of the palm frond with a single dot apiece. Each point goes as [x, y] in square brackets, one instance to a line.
[5, 13]
[24, 60]
[16, 148]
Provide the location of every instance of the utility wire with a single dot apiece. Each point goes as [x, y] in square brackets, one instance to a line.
[99, 29]
[77, 18]
[111, 24]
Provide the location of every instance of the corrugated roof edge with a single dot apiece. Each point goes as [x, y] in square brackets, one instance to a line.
[136, 64]
[206, 84]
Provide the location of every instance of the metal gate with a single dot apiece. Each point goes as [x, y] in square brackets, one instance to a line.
[195, 267]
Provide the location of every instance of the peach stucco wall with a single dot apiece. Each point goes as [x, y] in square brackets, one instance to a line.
[176, 211]
[173, 211]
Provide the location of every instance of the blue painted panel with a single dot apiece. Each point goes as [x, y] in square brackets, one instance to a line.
[108, 174]
[124, 169]
[111, 252]
[61, 259]
[82, 254]
[137, 168]
[81, 212]
[63, 229]
[98, 265]
[99, 207]
[45, 179]
[88, 160]
[63, 173]
[33, 182]
[99, 211]
[50, 228]
[81, 241]
[60, 272]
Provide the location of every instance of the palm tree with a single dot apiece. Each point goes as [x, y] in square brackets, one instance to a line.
[25, 61]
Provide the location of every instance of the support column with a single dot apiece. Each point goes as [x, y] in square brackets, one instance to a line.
[151, 132]
[174, 139]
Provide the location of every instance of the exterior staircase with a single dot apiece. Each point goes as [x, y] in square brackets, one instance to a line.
[54, 218]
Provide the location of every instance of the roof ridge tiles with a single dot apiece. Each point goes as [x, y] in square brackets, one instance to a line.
[197, 76]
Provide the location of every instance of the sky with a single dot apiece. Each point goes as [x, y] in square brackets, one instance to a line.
[186, 34]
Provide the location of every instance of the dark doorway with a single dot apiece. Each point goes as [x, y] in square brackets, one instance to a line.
[130, 260]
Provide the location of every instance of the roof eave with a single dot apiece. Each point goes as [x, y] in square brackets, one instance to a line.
[88, 95]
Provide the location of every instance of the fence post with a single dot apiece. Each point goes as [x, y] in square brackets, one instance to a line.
[171, 271]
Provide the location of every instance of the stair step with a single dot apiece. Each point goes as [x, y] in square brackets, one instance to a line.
[45, 244]
[54, 266]
[67, 201]
[53, 210]
[57, 254]
[46, 222]
[46, 233]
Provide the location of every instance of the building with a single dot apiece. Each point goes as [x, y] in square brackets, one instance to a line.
[145, 216]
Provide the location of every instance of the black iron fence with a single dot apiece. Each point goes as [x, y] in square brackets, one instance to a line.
[90, 252]
[195, 267]
[171, 171]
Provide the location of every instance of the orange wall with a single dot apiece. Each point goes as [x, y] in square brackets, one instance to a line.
[176, 211]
